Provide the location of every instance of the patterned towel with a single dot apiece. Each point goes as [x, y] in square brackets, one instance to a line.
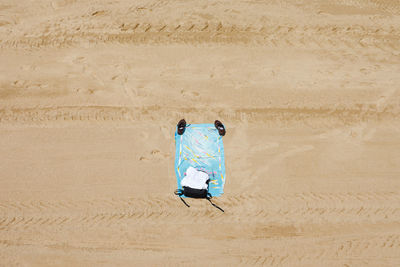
[201, 147]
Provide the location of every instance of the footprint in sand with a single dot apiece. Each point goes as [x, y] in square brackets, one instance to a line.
[189, 94]
[155, 154]
[57, 4]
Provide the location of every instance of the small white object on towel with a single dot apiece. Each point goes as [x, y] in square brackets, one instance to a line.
[195, 179]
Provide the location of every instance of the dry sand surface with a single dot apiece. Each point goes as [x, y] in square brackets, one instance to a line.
[91, 91]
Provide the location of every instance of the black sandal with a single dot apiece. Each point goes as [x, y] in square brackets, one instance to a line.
[220, 127]
[181, 126]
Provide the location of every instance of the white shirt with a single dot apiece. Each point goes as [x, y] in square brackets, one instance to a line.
[195, 179]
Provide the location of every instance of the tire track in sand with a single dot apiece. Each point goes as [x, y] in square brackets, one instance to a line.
[259, 210]
[334, 116]
[346, 249]
[301, 207]
[312, 36]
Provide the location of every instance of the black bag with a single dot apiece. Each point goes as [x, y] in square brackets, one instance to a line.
[195, 193]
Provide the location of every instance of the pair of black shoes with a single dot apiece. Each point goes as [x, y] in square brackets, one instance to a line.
[182, 126]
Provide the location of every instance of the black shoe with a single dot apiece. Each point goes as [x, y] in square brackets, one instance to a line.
[220, 127]
[181, 126]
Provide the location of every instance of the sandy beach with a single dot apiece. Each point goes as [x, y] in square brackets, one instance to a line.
[90, 94]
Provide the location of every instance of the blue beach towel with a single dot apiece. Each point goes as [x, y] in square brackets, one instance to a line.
[201, 147]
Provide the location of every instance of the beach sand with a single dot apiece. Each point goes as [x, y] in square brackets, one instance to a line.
[91, 91]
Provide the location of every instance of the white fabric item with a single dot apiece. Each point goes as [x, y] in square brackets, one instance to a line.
[195, 179]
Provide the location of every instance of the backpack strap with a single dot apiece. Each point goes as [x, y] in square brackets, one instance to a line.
[209, 197]
[179, 193]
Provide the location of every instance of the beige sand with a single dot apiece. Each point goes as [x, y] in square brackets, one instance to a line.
[90, 92]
